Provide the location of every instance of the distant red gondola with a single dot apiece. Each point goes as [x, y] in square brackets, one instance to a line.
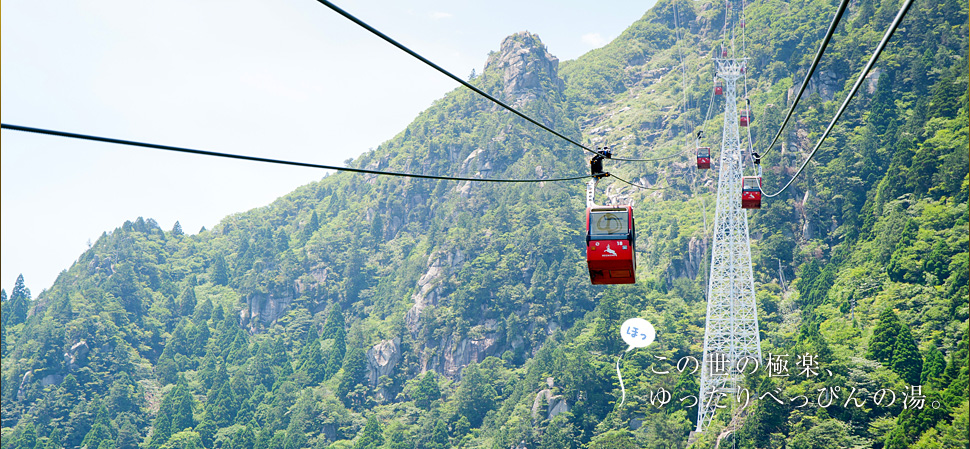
[704, 158]
[751, 192]
[610, 244]
[718, 88]
[746, 117]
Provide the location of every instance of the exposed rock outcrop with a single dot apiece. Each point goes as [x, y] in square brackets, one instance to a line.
[381, 360]
[428, 290]
[555, 404]
[528, 69]
[263, 308]
[76, 354]
[450, 357]
[427, 294]
[688, 266]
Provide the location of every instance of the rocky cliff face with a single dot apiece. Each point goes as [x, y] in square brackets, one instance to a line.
[449, 357]
[527, 67]
[382, 358]
[689, 266]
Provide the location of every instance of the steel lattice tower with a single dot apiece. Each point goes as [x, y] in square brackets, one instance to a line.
[731, 331]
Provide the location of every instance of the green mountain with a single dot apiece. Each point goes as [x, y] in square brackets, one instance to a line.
[386, 312]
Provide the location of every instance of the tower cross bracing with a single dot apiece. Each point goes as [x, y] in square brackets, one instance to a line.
[731, 329]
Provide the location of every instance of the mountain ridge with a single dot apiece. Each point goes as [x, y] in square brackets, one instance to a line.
[298, 324]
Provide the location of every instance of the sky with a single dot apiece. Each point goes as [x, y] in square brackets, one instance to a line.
[285, 79]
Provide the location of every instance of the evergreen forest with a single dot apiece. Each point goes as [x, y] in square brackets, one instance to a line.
[367, 312]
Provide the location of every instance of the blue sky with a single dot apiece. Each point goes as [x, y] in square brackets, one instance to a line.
[284, 79]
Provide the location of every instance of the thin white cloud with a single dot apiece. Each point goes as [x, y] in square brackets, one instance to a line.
[437, 15]
[593, 40]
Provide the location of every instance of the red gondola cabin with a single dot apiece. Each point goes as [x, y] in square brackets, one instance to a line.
[704, 158]
[746, 117]
[718, 88]
[610, 243]
[751, 192]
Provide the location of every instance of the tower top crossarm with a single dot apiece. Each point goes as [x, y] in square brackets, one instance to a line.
[730, 68]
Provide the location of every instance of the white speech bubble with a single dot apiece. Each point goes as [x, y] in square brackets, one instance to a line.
[638, 333]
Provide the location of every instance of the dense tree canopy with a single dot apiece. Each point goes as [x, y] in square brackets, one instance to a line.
[376, 312]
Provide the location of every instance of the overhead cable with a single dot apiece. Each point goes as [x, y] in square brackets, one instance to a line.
[268, 160]
[636, 185]
[684, 85]
[478, 91]
[811, 70]
[855, 88]
[651, 159]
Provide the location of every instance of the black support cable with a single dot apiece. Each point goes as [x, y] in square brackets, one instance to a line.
[478, 91]
[811, 70]
[636, 185]
[852, 92]
[661, 158]
[268, 160]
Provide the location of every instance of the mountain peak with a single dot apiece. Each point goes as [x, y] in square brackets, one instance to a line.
[527, 67]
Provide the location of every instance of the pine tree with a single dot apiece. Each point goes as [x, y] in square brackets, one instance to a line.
[475, 396]
[334, 328]
[933, 367]
[426, 392]
[310, 227]
[3, 307]
[896, 439]
[614, 439]
[183, 402]
[177, 229]
[806, 278]
[902, 266]
[206, 430]
[884, 337]
[819, 291]
[17, 306]
[439, 437]
[28, 438]
[187, 301]
[220, 270]
[335, 324]
[938, 262]
[354, 373]
[312, 363]
[397, 437]
[295, 440]
[101, 431]
[687, 386]
[220, 408]
[906, 360]
[243, 439]
[372, 437]
[128, 435]
[282, 241]
[607, 331]
[559, 435]
[56, 439]
[958, 360]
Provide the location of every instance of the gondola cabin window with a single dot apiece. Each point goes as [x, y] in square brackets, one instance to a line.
[608, 224]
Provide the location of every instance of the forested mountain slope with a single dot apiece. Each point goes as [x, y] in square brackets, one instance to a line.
[364, 311]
